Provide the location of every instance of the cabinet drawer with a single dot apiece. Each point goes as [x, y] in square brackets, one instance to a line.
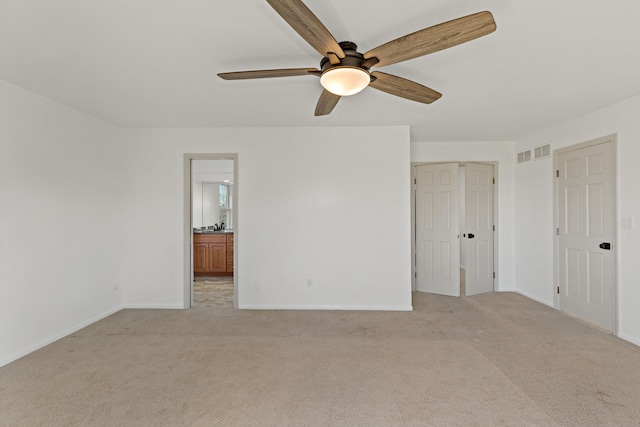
[209, 238]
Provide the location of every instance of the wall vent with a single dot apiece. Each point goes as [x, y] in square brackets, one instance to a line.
[524, 156]
[542, 151]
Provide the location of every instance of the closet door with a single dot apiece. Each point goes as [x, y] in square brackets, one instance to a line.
[479, 228]
[586, 233]
[437, 229]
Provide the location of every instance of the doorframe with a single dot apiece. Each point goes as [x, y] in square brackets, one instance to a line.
[187, 228]
[613, 139]
[412, 186]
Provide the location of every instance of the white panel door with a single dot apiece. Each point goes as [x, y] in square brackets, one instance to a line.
[585, 212]
[437, 231]
[479, 228]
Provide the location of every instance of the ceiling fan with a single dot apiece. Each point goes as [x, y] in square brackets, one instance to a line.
[344, 71]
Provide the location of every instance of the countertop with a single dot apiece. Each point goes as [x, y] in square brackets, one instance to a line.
[212, 232]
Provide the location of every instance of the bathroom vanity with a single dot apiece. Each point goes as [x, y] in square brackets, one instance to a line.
[213, 254]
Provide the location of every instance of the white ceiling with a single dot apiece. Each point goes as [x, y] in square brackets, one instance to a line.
[154, 62]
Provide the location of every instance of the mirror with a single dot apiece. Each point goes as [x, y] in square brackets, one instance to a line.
[216, 204]
[212, 189]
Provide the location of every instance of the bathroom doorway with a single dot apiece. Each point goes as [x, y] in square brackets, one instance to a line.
[212, 231]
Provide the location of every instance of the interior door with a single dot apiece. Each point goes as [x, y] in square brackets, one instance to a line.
[479, 228]
[586, 275]
[437, 230]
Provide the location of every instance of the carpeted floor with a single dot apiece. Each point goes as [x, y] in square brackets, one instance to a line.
[492, 359]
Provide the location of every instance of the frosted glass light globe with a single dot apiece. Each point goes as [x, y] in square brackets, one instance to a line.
[345, 81]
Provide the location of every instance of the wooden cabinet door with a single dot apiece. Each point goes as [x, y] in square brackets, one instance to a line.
[217, 258]
[229, 253]
[213, 253]
[200, 258]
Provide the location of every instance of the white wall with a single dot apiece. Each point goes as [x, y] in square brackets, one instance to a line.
[534, 223]
[503, 153]
[196, 203]
[534, 238]
[326, 204]
[60, 195]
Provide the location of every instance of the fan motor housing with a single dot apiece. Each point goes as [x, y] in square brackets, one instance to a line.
[352, 58]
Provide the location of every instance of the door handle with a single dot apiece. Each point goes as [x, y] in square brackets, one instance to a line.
[471, 235]
[605, 246]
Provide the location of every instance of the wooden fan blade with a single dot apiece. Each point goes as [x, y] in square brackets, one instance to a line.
[404, 88]
[263, 74]
[301, 19]
[326, 103]
[433, 39]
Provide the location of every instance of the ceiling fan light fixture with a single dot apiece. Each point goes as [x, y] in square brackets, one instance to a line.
[345, 81]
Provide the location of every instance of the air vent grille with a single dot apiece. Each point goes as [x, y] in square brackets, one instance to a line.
[524, 156]
[542, 151]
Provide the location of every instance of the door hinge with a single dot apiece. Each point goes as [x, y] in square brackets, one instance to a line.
[494, 274]
[415, 181]
[558, 231]
[415, 275]
[558, 290]
[557, 173]
[494, 180]
[494, 228]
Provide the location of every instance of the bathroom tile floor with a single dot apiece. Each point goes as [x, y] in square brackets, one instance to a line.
[213, 292]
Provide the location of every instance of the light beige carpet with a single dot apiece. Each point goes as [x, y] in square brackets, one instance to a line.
[493, 359]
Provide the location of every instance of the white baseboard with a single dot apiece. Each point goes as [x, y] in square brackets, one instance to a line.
[154, 306]
[535, 298]
[56, 337]
[325, 307]
[632, 340]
